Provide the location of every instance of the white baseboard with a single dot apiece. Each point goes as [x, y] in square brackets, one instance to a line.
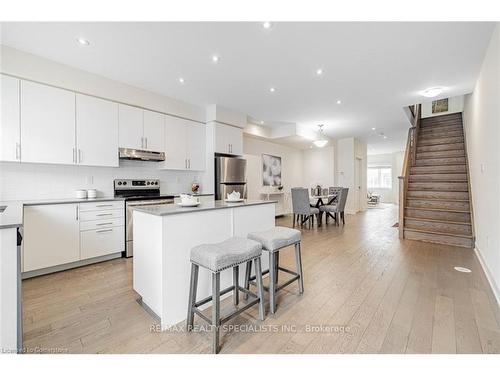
[491, 280]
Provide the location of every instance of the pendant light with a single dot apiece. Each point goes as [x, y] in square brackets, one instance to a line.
[322, 140]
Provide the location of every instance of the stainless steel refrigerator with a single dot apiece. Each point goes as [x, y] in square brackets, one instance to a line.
[230, 175]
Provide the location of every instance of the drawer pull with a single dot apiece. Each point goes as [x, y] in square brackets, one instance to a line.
[104, 205]
[100, 224]
[104, 215]
[104, 230]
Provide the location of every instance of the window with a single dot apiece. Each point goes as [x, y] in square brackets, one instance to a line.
[379, 178]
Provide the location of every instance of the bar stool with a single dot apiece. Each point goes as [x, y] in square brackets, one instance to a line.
[274, 240]
[216, 258]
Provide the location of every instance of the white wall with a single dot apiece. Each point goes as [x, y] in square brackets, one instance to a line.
[455, 105]
[45, 181]
[291, 161]
[482, 124]
[37, 181]
[319, 167]
[395, 162]
[348, 149]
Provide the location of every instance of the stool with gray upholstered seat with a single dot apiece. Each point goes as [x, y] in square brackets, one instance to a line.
[274, 240]
[216, 258]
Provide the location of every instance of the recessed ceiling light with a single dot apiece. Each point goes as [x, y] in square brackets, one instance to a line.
[272, 89]
[432, 92]
[319, 72]
[385, 137]
[83, 41]
[215, 58]
[374, 128]
[261, 122]
[267, 25]
[339, 101]
[181, 80]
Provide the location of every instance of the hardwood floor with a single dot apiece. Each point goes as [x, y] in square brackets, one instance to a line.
[366, 291]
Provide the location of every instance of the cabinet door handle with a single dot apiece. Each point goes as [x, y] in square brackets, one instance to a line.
[101, 224]
[146, 142]
[74, 155]
[110, 214]
[104, 230]
[76, 213]
[79, 155]
[142, 142]
[189, 163]
[104, 205]
[18, 151]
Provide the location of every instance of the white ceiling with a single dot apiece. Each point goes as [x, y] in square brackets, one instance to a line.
[373, 68]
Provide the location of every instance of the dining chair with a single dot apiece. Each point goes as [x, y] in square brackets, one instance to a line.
[338, 208]
[301, 207]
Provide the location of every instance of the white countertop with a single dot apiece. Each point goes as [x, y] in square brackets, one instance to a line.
[12, 215]
[174, 209]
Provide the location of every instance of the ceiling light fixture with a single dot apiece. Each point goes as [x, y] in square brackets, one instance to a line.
[339, 102]
[319, 72]
[374, 128]
[272, 89]
[432, 92]
[322, 140]
[261, 122]
[181, 80]
[82, 41]
[215, 58]
[267, 25]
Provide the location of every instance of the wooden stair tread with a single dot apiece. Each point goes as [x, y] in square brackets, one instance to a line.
[439, 233]
[438, 199]
[438, 209]
[438, 220]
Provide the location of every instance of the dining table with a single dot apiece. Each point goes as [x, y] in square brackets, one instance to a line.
[319, 200]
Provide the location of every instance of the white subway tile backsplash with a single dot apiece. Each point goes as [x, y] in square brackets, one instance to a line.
[45, 181]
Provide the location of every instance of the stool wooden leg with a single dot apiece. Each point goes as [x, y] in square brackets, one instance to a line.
[298, 259]
[192, 295]
[215, 311]
[276, 265]
[236, 281]
[248, 273]
[272, 283]
[260, 288]
[293, 222]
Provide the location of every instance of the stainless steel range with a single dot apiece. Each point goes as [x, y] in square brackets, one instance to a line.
[138, 193]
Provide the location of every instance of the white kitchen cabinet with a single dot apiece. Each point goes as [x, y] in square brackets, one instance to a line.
[47, 124]
[228, 139]
[175, 143]
[102, 241]
[154, 131]
[131, 127]
[96, 131]
[51, 236]
[184, 144]
[196, 142]
[10, 126]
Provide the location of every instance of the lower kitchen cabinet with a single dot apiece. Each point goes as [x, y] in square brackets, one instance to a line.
[99, 242]
[58, 234]
[51, 236]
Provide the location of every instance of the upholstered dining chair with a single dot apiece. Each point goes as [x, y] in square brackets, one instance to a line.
[336, 209]
[301, 207]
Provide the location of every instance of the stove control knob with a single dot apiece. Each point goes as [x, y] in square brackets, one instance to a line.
[119, 182]
[124, 182]
[156, 183]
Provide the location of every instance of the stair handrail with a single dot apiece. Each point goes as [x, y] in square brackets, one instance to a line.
[409, 160]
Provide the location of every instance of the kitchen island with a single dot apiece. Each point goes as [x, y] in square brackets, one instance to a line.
[163, 238]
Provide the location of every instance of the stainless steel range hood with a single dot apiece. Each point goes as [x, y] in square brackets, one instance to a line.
[132, 154]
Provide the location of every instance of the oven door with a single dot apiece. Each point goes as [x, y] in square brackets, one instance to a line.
[129, 229]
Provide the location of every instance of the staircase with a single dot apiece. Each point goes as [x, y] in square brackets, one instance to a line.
[437, 207]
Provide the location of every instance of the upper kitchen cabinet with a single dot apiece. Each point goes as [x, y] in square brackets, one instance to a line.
[96, 131]
[10, 126]
[131, 127]
[184, 144]
[154, 131]
[141, 129]
[47, 124]
[196, 141]
[228, 139]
